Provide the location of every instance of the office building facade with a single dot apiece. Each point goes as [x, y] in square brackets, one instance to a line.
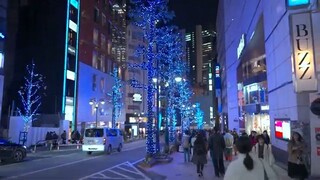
[101, 51]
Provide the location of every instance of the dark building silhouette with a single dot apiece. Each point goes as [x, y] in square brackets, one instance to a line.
[47, 34]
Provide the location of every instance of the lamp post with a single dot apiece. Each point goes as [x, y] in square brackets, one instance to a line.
[95, 103]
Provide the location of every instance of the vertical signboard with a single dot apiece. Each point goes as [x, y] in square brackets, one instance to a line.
[302, 52]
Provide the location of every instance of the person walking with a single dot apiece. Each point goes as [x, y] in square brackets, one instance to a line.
[263, 151]
[266, 137]
[253, 138]
[64, 137]
[199, 156]
[235, 138]
[217, 146]
[228, 138]
[248, 166]
[192, 140]
[296, 164]
[186, 146]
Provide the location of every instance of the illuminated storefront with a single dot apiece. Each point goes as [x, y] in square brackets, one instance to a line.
[252, 85]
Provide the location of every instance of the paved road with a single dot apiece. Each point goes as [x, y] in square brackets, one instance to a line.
[78, 165]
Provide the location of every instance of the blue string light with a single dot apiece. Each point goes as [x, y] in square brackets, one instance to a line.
[146, 14]
[30, 95]
[116, 97]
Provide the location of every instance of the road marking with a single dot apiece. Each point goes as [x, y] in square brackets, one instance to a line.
[121, 175]
[101, 175]
[66, 164]
[136, 162]
[50, 168]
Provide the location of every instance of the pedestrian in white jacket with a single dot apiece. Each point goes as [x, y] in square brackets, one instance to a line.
[263, 151]
[248, 166]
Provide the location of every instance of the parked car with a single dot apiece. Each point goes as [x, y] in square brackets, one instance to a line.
[102, 139]
[12, 151]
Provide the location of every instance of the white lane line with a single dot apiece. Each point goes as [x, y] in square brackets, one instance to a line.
[66, 164]
[100, 172]
[125, 176]
[54, 167]
[126, 170]
[113, 170]
[141, 173]
[136, 162]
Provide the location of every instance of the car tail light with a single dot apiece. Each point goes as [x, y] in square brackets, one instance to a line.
[104, 141]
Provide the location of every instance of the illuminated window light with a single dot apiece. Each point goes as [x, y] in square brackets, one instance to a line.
[74, 3]
[73, 26]
[70, 75]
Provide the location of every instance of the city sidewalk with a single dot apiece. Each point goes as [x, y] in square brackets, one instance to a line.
[178, 169]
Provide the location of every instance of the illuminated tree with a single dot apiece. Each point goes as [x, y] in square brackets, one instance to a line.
[146, 14]
[199, 116]
[116, 97]
[30, 95]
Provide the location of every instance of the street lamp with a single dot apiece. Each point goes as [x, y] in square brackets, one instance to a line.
[95, 104]
[178, 79]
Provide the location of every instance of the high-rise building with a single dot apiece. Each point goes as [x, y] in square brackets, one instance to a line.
[200, 54]
[47, 34]
[136, 97]
[101, 50]
[200, 57]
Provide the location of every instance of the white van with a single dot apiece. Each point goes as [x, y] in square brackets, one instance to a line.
[102, 140]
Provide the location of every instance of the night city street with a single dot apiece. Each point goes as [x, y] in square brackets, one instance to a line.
[160, 89]
[75, 164]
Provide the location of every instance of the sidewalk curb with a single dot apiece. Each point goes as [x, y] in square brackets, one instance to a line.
[52, 151]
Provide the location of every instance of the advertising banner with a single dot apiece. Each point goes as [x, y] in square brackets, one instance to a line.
[303, 53]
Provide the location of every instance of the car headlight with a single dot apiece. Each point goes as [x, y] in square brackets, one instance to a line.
[25, 147]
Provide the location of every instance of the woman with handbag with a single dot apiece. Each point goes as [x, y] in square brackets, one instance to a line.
[296, 165]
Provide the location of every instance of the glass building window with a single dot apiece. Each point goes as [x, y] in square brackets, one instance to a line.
[102, 84]
[95, 59]
[104, 20]
[73, 14]
[94, 82]
[103, 41]
[95, 36]
[96, 15]
[103, 63]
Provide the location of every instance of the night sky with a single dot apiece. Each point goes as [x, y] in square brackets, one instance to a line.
[194, 12]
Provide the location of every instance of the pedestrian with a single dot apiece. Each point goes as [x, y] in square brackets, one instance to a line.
[266, 137]
[217, 146]
[199, 156]
[253, 138]
[64, 137]
[228, 138]
[235, 138]
[263, 151]
[248, 166]
[192, 140]
[296, 163]
[186, 146]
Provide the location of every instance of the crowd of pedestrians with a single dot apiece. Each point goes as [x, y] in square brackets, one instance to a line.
[254, 160]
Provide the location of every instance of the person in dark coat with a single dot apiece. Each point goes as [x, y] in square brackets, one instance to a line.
[266, 137]
[217, 146]
[199, 154]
